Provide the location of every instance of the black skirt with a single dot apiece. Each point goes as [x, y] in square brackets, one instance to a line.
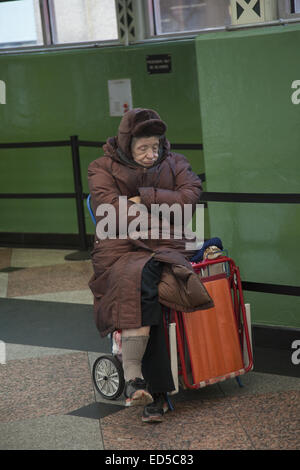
[156, 367]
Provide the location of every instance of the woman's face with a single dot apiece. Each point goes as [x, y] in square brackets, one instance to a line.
[144, 150]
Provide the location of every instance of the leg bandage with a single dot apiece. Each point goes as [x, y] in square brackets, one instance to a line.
[133, 349]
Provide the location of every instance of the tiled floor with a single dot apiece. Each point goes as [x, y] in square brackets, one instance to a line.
[47, 397]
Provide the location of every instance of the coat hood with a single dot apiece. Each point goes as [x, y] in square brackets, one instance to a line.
[135, 123]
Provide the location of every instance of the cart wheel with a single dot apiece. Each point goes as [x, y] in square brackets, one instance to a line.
[108, 377]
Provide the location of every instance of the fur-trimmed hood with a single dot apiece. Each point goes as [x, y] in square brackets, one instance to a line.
[137, 122]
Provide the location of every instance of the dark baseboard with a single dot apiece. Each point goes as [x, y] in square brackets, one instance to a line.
[273, 351]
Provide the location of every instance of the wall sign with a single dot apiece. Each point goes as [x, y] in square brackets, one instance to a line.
[159, 63]
[120, 96]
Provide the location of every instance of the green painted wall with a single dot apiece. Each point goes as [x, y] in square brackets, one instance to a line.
[251, 143]
[51, 96]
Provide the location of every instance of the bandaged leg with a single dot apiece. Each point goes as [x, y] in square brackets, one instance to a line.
[134, 343]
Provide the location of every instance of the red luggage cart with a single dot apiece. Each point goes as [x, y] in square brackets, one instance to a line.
[215, 344]
[206, 346]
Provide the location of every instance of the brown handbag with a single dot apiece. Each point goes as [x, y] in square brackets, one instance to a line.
[181, 289]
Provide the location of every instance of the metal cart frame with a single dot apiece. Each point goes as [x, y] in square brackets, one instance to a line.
[107, 371]
[242, 320]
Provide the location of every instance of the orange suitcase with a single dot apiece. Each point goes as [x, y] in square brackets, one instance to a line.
[212, 343]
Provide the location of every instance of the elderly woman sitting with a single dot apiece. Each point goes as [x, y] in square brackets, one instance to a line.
[138, 165]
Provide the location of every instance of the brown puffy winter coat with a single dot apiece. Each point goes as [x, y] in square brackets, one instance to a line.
[118, 263]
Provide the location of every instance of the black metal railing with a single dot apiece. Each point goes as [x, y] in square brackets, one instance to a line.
[75, 143]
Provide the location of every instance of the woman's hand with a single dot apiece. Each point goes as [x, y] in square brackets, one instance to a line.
[136, 199]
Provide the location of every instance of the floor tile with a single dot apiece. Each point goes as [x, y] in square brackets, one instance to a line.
[272, 420]
[5, 257]
[27, 351]
[58, 278]
[83, 296]
[51, 433]
[29, 257]
[3, 284]
[30, 388]
[206, 424]
[98, 410]
[258, 383]
[51, 325]
[9, 269]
